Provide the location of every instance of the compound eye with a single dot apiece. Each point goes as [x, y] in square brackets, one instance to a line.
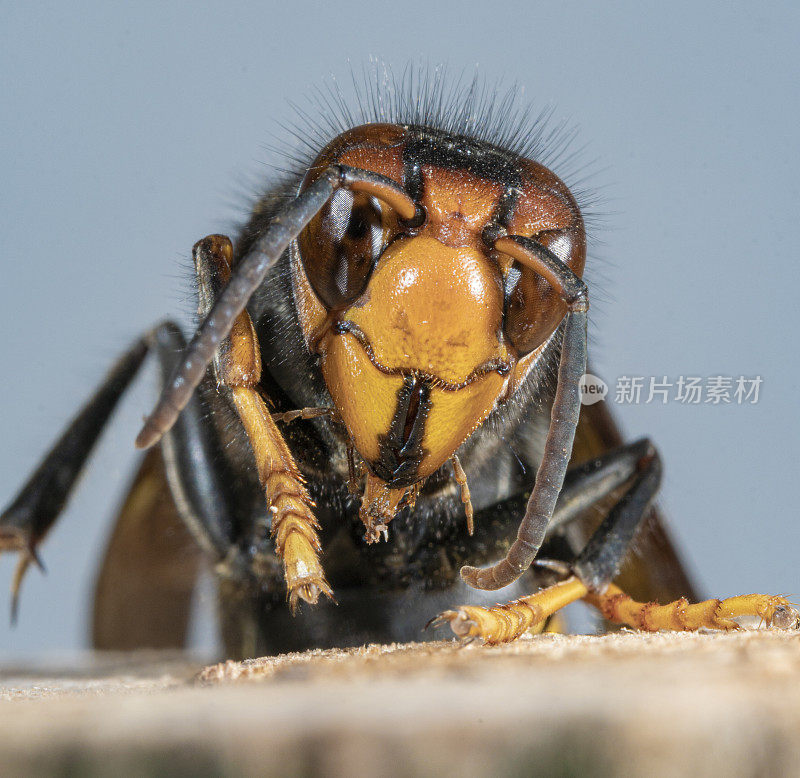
[533, 309]
[341, 245]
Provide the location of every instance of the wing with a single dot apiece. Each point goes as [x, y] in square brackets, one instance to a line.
[144, 588]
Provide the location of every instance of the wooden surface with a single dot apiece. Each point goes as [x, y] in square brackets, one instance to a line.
[628, 704]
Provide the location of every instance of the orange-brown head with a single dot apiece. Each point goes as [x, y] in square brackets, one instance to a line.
[421, 327]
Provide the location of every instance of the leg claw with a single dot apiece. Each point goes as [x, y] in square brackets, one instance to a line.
[785, 616]
[460, 622]
[308, 591]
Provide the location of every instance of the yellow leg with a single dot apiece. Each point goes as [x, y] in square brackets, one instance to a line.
[618, 607]
[294, 527]
[505, 623]
[238, 367]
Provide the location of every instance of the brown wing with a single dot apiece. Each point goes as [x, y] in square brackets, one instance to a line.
[653, 569]
[144, 589]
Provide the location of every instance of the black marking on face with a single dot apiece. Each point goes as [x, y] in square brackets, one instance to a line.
[506, 205]
[412, 177]
[400, 449]
[427, 146]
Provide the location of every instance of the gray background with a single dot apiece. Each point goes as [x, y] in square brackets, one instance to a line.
[128, 133]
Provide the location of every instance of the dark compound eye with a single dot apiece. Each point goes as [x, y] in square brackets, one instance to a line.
[358, 226]
[532, 307]
[340, 246]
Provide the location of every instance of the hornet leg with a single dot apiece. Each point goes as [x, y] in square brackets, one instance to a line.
[599, 563]
[188, 455]
[237, 365]
[30, 515]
